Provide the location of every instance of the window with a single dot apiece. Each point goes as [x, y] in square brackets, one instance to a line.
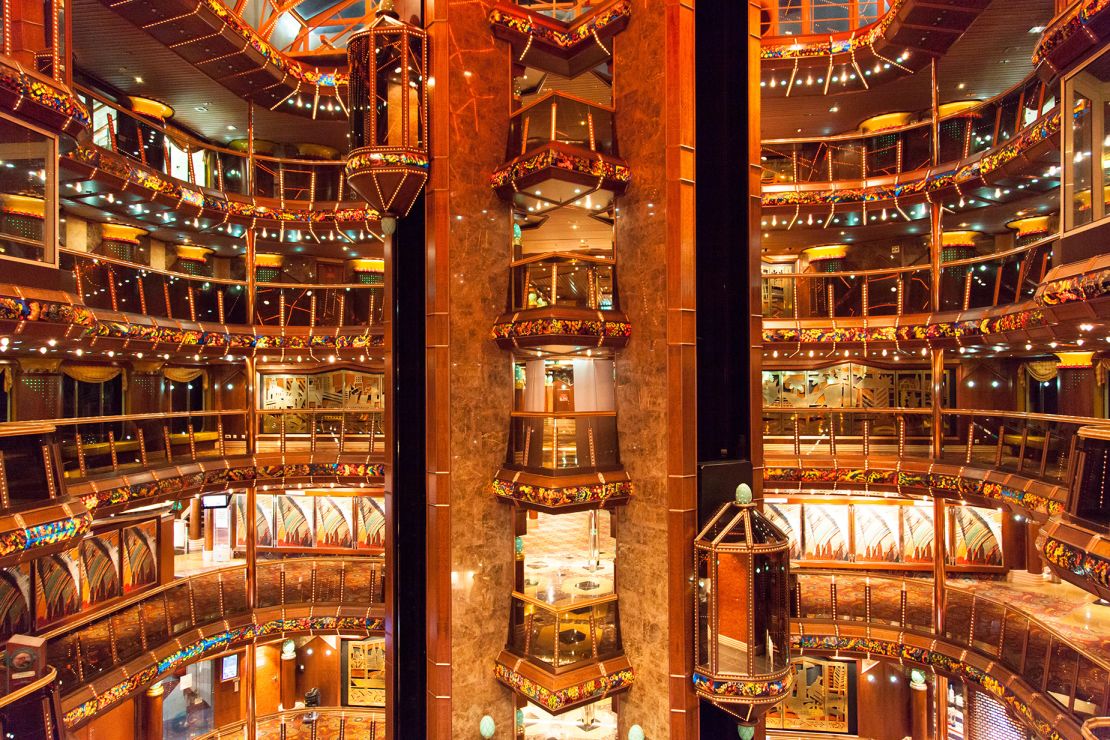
[1086, 169]
[81, 399]
[28, 217]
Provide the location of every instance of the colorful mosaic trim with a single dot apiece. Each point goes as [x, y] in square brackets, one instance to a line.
[598, 493]
[726, 690]
[56, 532]
[23, 309]
[214, 644]
[291, 67]
[1076, 288]
[1076, 21]
[561, 328]
[135, 174]
[965, 173]
[554, 701]
[54, 99]
[1081, 563]
[871, 35]
[938, 660]
[903, 479]
[940, 330]
[599, 167]
[524, 23]
[231, 476]
[373, 160]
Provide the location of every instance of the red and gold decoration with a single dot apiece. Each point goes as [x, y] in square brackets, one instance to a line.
[388, 162]
[267, 267]
[119, 240]
[742, 610]
[368, 271]
[192, 259]
[568, 49]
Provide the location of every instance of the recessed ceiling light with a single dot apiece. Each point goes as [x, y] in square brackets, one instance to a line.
[139, 80]
[230, 127]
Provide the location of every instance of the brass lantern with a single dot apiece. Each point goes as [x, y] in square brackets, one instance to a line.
[742, 610]
[388, 161]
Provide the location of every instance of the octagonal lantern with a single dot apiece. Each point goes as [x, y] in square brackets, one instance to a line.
[742, 610]
[388, 161]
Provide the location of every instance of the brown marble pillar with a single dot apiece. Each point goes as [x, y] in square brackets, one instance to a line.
[1013, 540]
[150, 713]
[656, 380]
[469, 381]
[1077, 386]
[209, 531]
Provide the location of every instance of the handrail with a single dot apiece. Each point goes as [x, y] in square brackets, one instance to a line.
[148, 269]
[926, 584]
[39, 683]
[1025, 644]
[560, 94]
[121, 604]
[879, 271]
[239, 729]
[568, 604]
[533, 258]
[561, 414]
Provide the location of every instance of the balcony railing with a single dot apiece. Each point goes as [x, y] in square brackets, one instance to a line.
[565, 119]
[87, 648]
[1041, 446]
[176, 154]
[134, 442]
[564, 280]
[1045, 659]
[907, 148]
[563, 443]
[364, 724]
[564, 636]
[116, 285]
[983, 281]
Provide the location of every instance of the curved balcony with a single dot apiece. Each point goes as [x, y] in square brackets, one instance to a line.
[982, 149]
[1071, 35]
[869, 43]
[564, 654]
[103, 658]
[1020, 459]
[365, 724]
[213, 38]
[566, 37]
[889, 150]
[46, 102]
[112, 462]
[1050, 684]
[106, 284]
[985, 281]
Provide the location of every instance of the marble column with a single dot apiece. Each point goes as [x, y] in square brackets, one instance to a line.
[469, 389]
[656, 380]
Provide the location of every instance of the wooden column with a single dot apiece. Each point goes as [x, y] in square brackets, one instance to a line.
[940, 550]
[1078, 388]
[919, 711]
[150, 712]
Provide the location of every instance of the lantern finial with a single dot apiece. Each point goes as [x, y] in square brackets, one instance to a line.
[385, 7]
[744, 494]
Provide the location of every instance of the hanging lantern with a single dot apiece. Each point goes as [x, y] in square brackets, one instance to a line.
[388, 161]
[742, 610]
